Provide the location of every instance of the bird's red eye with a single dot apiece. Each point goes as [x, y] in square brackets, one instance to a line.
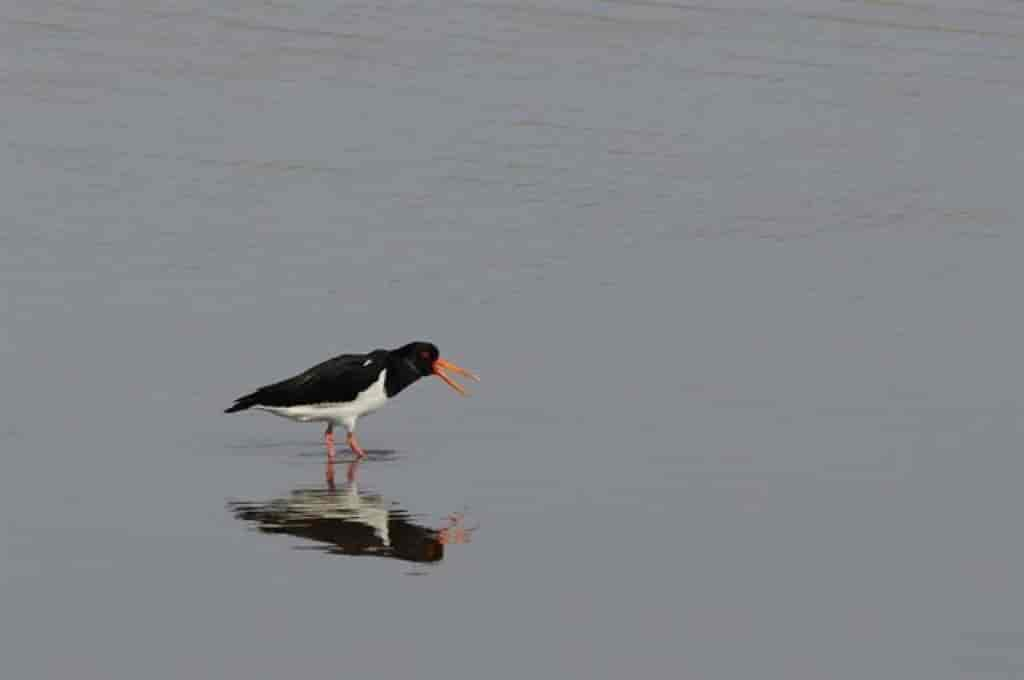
[425, 354]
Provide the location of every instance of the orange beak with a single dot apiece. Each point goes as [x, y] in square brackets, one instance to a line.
[439, 367]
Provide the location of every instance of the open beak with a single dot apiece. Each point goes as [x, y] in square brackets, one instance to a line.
[439, 370]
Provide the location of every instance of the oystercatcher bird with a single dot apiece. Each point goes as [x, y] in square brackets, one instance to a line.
[340, 390]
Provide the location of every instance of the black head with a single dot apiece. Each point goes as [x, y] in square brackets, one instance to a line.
[426, 360]
[421, 355]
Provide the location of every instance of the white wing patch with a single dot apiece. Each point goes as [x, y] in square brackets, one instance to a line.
[367, 362]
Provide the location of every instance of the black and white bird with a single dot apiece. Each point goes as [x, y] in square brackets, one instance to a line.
[341, 390]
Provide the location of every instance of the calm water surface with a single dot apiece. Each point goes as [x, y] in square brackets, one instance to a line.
[742, 281]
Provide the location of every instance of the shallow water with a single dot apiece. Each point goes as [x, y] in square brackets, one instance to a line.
[742, 285]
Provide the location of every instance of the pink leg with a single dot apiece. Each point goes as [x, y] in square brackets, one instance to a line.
[329, 475]
[354, 445]
[329, 441]
[352, 471]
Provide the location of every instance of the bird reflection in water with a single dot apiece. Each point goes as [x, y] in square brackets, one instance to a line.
[346, 521]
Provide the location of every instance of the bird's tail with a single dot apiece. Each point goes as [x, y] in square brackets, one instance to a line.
[242, 403]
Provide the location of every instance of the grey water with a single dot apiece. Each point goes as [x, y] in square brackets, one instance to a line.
[742, 282]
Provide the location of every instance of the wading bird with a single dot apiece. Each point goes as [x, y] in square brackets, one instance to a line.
[341, 390]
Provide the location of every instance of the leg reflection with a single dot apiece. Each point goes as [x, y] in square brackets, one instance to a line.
[353, 470]
[329, 475]
[351, 473]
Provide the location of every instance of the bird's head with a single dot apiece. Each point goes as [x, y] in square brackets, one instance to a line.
[427, 361]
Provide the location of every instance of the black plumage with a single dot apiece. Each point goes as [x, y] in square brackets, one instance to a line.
[342, 378]
[341, 390]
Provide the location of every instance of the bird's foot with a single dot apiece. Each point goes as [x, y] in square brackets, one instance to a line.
[354, 445]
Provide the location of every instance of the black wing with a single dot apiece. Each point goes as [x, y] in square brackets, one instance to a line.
[336, 380]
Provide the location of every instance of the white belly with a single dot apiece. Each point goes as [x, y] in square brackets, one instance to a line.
[346, 414]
